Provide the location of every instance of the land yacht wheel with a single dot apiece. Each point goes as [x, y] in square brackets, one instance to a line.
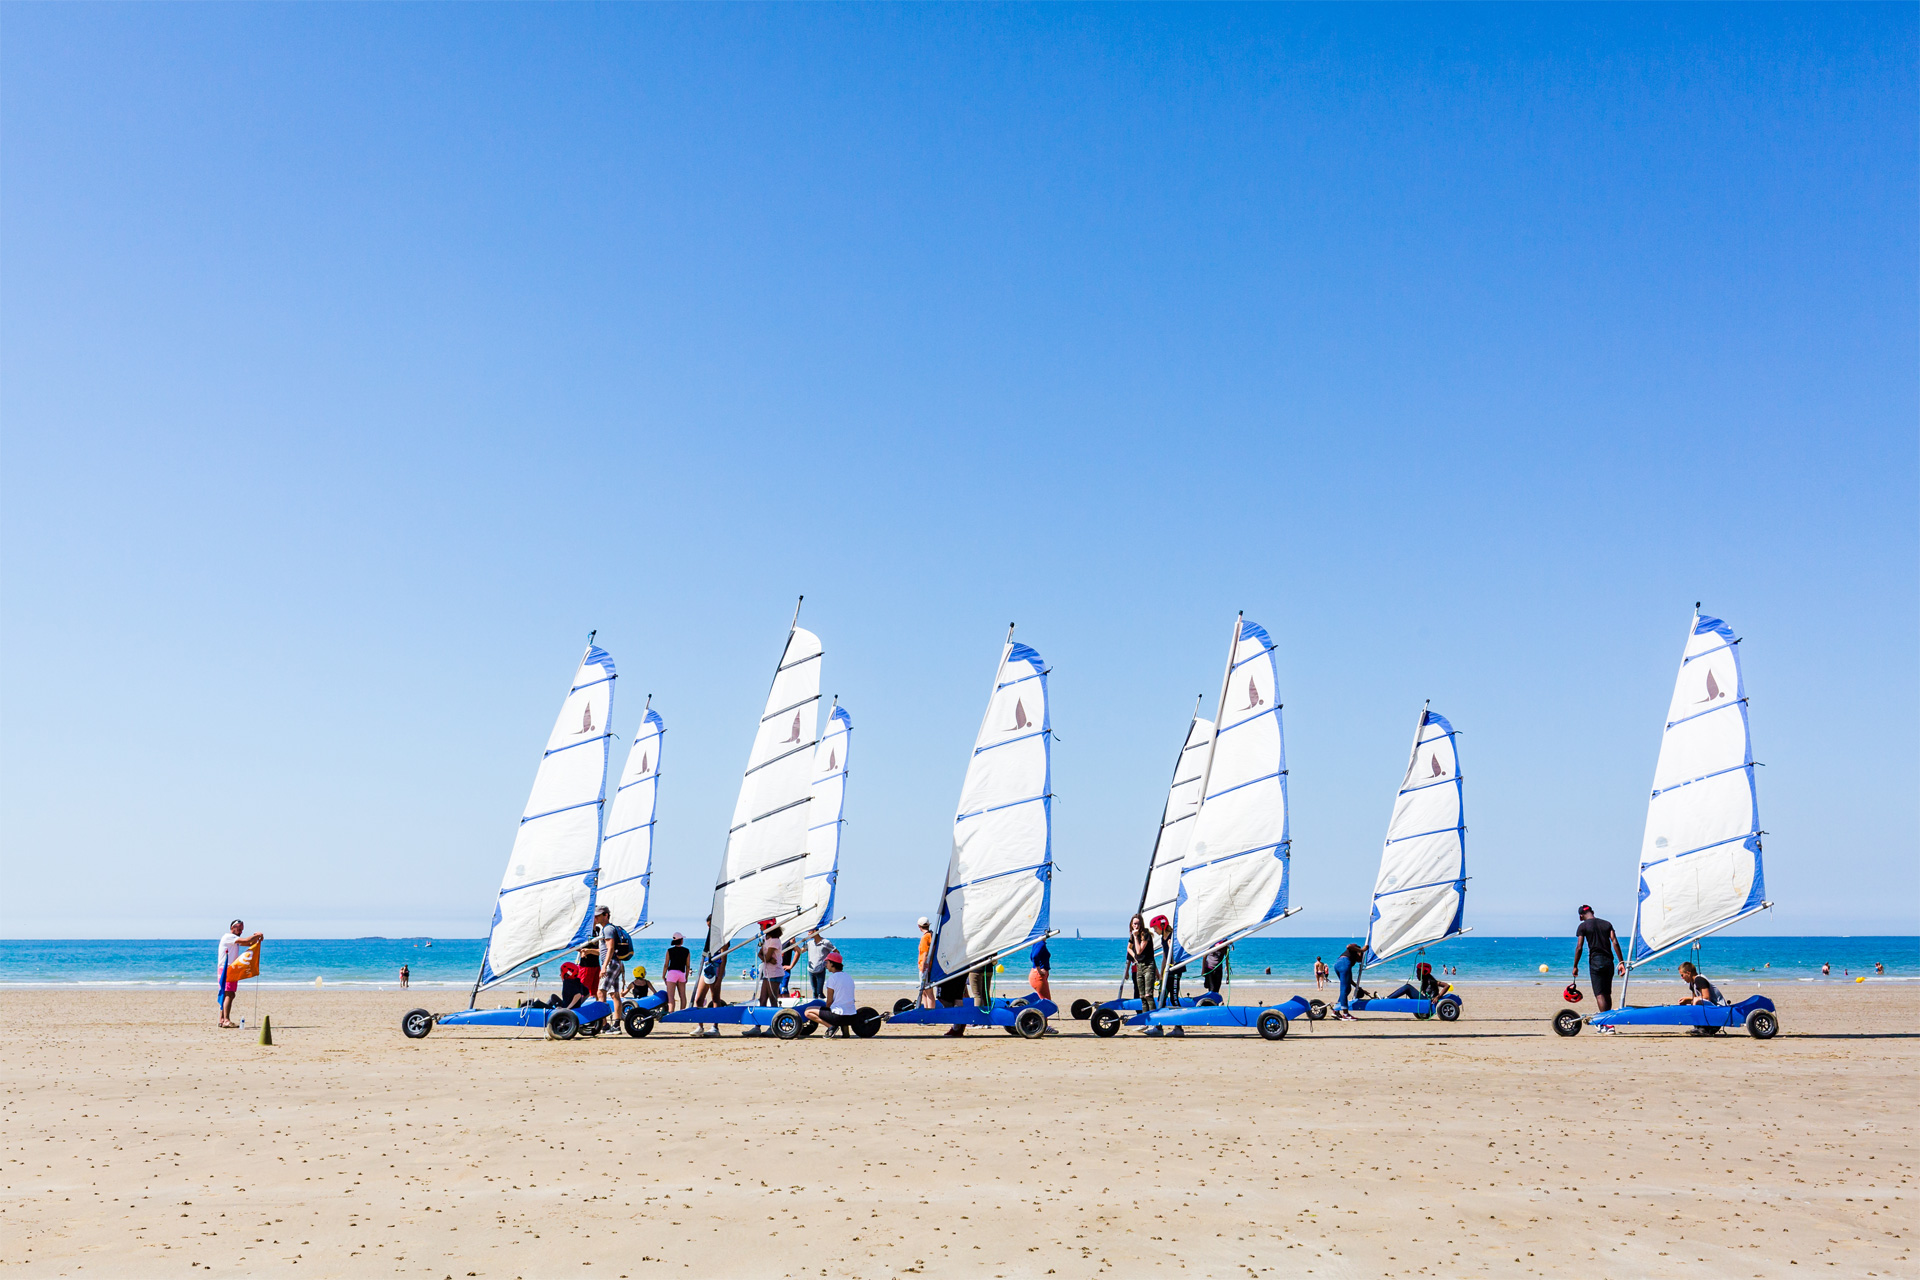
[1567, 1022]
[1762, 1025]
[1030, 1023]
[1316, 1010]
[1106, 1023]
[786, 1024]
[869, 1024]
[1081, 1009]
[1272, 1025]
[1448, 1009]
[416, 1024]
[562, 1024]
[902, 1005]
[638, 1023]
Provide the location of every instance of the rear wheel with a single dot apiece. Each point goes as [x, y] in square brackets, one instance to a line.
[869, 1023]
[1081, 1009]
[786, 1024]
[1030, 1023]
[1316, 1010]
[808, 1026]
[1272, 1025]
[1448, 1009]
[416, 1024]
[1762, 1024]
[638, 1023]
[1567, 1022]
[562, 1024]
[1106, 1023]
[902, 1005]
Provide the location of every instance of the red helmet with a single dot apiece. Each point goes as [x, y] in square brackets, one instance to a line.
[1572, 994]
[1158, 922]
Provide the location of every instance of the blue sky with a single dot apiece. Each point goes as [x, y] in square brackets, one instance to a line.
[358, 360]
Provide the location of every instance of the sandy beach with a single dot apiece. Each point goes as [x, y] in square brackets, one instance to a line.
[138, 1140]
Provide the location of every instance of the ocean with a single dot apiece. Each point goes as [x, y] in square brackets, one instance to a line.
[452, 962]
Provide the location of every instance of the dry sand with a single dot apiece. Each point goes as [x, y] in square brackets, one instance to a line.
[138, 1140]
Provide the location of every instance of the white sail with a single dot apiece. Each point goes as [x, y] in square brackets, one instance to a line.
[1162, 889]
[546, 897]
[626, 851]
[1700, 857]
[1233, 878]
[764, 866]
[828, 815]
[1421, 893]
[999, 877]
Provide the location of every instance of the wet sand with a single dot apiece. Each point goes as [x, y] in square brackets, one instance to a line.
[136, 1139]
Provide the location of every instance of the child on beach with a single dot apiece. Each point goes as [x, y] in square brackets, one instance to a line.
[1699, 990]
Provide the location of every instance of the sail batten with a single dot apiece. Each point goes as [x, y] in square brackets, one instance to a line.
[1700, 856]
[998, 886]
[1419, 896]
[761, 871]
[546, 898]
[1234, 872]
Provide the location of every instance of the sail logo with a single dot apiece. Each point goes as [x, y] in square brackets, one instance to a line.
[795, 735]
[1253, 695]
[586, 721]
[833, 760]
[1714, 693]
[1020, 720]
[645, 769]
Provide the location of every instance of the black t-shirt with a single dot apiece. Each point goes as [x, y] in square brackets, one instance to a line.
[1599, 936]
[677, 958]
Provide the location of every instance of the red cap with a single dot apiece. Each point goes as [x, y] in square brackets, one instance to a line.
[833, 957]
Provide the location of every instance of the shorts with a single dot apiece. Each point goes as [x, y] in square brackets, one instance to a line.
[676, 975]
[777, 978]
[833, 1019]
[613, 975]
[1601, 979]
[233, 987]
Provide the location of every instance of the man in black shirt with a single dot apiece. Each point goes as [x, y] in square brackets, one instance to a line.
[1602, 944]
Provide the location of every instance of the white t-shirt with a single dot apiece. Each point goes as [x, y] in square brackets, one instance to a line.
[840, 993]
[817, 951]
[231, 949]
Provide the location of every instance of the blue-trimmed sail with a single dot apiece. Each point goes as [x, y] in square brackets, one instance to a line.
[827, 819]
[547, 895]
[1420, 896]
[1000, 874]
[626, 851]
[1162, 888]
[1700, 857]
[1234, 877]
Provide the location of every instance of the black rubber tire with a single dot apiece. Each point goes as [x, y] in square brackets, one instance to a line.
[869, 1024]
[1081, 1009]
[1272, 1025]
[786, 1024]
[638, 1023]
[593, 1028]
[416, 1024]
[1448, 1009]
[1317, 1010]
[1030, 1023]
[902, 1005]
[1010, 1031]
[1568, 1022]
[807, 1026]
[562, 1024]
[1763, 1024]
[1106, 1023]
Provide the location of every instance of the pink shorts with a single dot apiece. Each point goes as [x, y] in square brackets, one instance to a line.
[676, 975]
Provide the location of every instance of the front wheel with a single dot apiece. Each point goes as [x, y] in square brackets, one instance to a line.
[1030, 1023]
[416, 1024]
[869, 1023]
[1448, 1009]
[786, 1024]
[1316, 1010]
[562, 1024]
[1272, 1025]
[1762, 1025]
[1081, 1009]
[902, 1005]
[638, 1023]
[1567, 1022]
[1106, 1023]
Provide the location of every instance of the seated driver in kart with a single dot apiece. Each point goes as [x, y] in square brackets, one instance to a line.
[1429, 988]
[573, 989]
[1699, 990]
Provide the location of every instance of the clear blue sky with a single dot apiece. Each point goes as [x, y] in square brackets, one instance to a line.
[359, 359]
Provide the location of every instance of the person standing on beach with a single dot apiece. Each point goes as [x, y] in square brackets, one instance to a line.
[1343, 969]
[1169, 976]
[1320, 973]
[232, 947]
[926, 964]
[1213, 969]
[405, 976]
[1140, 961]
[818, 949]
[678, 961]
[1602, 945]
[1041, 977]
[616, 948]
[773, 967]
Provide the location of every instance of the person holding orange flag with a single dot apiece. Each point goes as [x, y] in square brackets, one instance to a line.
[237, 958]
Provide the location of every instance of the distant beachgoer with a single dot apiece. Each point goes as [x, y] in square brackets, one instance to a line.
[1140, 960]
[232, 946]
[818, 949]
[926, 964]
[1343, 968]
[616, 948]
[1040, 978]
[839, 1013]
[677, 964]
[1320, 973]
[1826, 970]
[1879, 966]
[1213, 969]
[1602, 945]
[405, 976]
[1699, 990]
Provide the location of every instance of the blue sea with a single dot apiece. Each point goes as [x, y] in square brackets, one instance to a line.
[452, 962]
